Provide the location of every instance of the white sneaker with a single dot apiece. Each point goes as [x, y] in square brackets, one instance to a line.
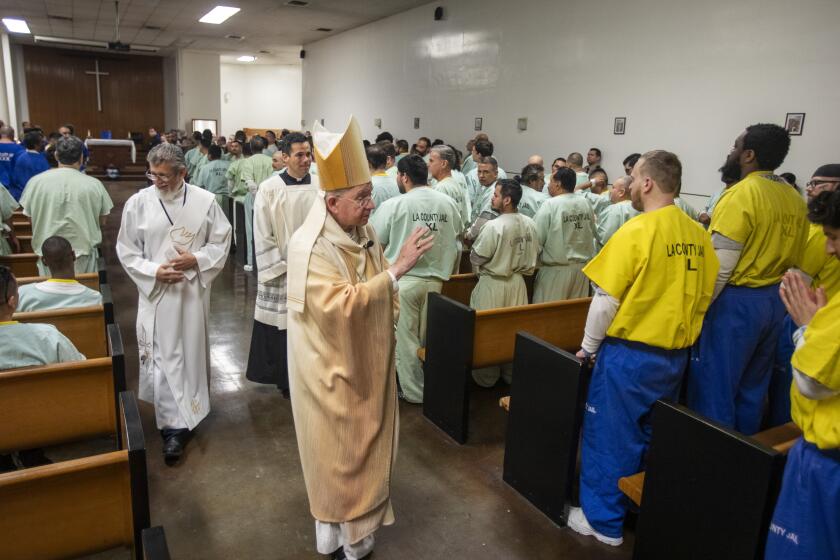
[248, 268]
[578, 523]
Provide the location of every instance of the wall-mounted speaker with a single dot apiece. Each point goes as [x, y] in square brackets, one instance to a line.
[439, 13]
[302, 54]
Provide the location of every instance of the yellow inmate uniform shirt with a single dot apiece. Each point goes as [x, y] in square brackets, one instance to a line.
[819, 358]
[661, 267]
[769, 218]
[819, 265]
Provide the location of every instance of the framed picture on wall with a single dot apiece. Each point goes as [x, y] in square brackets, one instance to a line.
[794, 123]
[202, 124]
[416, 123]
[479, 122]
[620, 125]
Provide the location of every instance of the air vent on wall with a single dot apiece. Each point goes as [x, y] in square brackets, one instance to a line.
[152, 28]
[61, 18]
[265, 52]
[324, 29]
[234, 37]
[297, 3]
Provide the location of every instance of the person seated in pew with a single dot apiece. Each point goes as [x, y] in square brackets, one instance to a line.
[759, 228]
[619, 212]
[26, 345]
[532, 180]
[654, 281]
[62, 290]
[8, 241]
[396, 221]
[68, 203]
[805, 522]
[505, 249]
[566, 233]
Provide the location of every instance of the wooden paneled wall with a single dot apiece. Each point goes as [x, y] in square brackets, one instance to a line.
[59, 91]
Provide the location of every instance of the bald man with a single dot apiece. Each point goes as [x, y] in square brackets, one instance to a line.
[616, 214]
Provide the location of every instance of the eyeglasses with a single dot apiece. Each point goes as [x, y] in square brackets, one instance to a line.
[159, 176]
[361, 202]
[813, 183]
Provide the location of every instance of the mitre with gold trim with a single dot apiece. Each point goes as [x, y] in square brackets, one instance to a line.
[341, 158]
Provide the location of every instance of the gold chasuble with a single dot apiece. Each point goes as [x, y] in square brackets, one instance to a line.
[342, 311]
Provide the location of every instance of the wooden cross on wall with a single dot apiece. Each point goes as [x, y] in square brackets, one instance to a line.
[97, 73]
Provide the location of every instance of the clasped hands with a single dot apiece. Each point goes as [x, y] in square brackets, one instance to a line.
[172, 272]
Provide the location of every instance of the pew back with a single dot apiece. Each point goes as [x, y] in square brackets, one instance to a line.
[459, 287]
[88, 279]
[21, 264]
[58, 403]
[84, 326]
[559, 323]
[82, 506]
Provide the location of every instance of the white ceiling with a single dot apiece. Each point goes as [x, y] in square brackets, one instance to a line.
[266, 25]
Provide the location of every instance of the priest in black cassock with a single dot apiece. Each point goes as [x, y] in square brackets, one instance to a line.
[280, 207]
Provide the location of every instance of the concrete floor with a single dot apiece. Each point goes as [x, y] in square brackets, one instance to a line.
[239, 491]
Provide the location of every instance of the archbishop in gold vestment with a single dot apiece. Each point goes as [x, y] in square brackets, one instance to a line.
[342, 311]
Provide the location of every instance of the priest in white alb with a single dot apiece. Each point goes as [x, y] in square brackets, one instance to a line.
[173, 241]
[342, 305]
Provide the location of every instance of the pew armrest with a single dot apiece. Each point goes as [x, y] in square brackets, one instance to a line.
[632, 487]
[154, 544]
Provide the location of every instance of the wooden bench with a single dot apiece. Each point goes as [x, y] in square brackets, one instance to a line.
[154, 544]
[82, 506]
[84, 326]
[545, 415]
[459, 287]
[709, 492]
[21, 264]
[21, 225]
[88, 279]
[781, 438]
[26, 265]
[459, 339]
[25, 243]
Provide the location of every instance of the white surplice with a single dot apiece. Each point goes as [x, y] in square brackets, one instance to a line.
[172, 335]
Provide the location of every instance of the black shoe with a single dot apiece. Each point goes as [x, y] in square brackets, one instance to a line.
[174, 443]
[338, 554]
[284, 392]
[33, 458]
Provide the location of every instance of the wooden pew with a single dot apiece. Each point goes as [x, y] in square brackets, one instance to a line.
[79, 507]
[459, 287]
[22, 264]
[25, 243]
[22, 225]
[84, 326]
[545, 415]
[154, 544]
[88, 279]
[781, 438]
[459, 339]
[709, 492]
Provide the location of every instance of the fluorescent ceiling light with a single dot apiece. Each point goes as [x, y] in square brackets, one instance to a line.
[246, 58]
[218, 14]
[16, 25]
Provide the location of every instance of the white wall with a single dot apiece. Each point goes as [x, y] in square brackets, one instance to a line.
[689, 76]
[260, 96]
[198, 87]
